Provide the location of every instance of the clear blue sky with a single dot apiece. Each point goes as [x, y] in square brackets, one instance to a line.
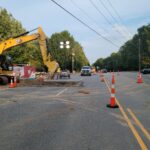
[44, 13]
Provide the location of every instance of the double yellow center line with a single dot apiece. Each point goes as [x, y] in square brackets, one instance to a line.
[146, 133]
[134, 131]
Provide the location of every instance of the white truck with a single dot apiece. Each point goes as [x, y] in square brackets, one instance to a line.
[86, 71]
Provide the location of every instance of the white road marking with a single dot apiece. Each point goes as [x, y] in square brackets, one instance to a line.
[61, 92]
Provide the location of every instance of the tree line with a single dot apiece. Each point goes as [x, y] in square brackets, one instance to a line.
[29, 53]
[127, 58]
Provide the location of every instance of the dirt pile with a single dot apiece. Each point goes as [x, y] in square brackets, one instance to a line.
[29, 82]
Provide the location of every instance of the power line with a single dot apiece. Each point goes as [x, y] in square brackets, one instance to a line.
[115, 11]
[108, 11]
[88, 16]
[104, 16]
[85, 24]
[114, 18]
[100, 12]
[121, 20]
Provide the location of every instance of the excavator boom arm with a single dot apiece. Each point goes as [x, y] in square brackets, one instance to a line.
[12, 42]
[47, 58]
[41, 37]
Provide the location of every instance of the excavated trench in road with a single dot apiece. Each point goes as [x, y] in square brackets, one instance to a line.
[65, 83]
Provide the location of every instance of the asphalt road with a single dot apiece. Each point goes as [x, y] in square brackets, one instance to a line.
[76, 118]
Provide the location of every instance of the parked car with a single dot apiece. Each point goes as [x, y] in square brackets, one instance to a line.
[146, 71]
[104, 70]
[86, 71]
[65, 74]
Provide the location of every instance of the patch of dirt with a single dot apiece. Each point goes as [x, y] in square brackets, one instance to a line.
[40, 83]
[84, 91]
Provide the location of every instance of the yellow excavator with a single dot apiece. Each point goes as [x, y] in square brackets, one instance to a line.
[52, 65]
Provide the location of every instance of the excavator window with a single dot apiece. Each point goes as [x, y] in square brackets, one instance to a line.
[6, 63]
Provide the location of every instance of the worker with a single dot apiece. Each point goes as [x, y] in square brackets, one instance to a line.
[58, 72]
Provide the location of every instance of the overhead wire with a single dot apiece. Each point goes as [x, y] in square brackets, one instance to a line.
[115, 11]
[87, 15]
[114, 18]
[117, 14]
[100, 12]
[90, 18]
[89, 27]
[109, 22]
[108, 11]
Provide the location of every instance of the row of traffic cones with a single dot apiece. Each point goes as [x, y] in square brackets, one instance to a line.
[113, 103]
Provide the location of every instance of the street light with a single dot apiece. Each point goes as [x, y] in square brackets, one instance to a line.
[66, 44]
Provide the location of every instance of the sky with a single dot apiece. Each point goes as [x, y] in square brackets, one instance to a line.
[113, 22]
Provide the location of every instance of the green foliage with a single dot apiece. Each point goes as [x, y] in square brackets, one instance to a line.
[127, 58]
[64, 56]
[25, 53]
[9, 26]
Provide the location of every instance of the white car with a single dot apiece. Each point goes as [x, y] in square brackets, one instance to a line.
[86, 71]
[65, 73]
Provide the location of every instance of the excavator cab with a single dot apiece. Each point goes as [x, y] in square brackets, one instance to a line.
[6, 63]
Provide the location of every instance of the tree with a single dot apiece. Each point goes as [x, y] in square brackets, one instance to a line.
[25, 53]
[99, 63]
[9, 26]
[127, 58]
[64, 56]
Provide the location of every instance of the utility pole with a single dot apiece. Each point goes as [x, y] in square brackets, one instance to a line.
[139, 55]
[73, 54]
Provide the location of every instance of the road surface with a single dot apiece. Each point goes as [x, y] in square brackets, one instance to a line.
[76, 118]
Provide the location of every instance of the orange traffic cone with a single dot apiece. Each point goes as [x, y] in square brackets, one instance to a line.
[11, 85]
[139, 78]
[101, 76]
[113, 79]
[112, 98]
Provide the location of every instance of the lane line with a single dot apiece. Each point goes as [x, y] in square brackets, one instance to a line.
[61, 92]
[147, 134]
[134, 131]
